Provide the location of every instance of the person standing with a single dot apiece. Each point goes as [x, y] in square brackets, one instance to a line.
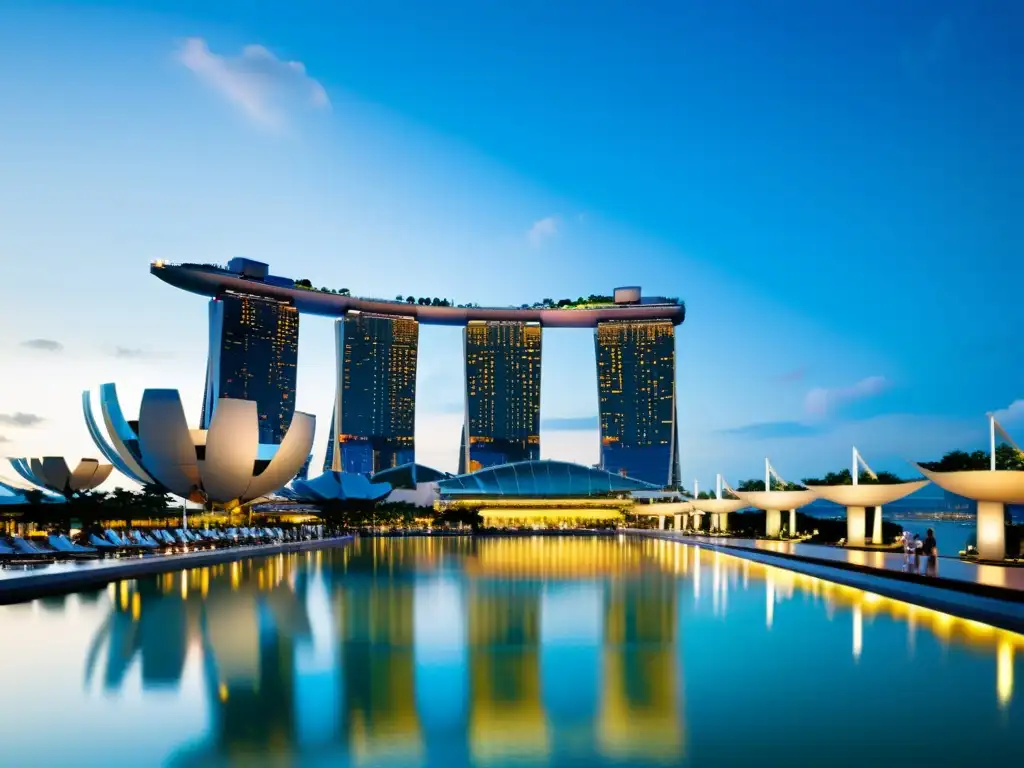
[931, 551]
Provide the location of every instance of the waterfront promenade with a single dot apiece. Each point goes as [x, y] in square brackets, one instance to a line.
[18, 584]
[985, 593]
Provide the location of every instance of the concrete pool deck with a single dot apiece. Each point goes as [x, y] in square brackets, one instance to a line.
[18, 585]
[963, 589]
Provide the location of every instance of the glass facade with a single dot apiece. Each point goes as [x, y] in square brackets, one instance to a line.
[636, 380]
[502, 394]
[254, 352]
[375, 410]
[542, 478]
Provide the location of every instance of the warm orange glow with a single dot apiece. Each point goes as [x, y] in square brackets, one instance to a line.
[1004, 672]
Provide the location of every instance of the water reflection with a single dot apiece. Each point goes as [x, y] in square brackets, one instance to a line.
[498, 652]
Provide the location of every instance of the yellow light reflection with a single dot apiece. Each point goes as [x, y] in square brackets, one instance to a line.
[136, 606]
[858, 632]
[1004, 672]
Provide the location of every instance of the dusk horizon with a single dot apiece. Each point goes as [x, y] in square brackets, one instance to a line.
[832, 199]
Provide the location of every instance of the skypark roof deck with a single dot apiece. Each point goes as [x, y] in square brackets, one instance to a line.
[252, 278]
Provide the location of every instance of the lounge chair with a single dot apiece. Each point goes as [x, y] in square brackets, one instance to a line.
[134, 537]
[102, 545]
[166, 538]
[28, 550]
[69, 549]
[115, 539]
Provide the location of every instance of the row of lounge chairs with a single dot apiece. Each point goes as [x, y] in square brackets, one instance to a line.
[17, 550]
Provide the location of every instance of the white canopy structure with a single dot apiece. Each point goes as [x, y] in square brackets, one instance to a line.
[718, 507]
[857, 498]
[773, 502]
[993, 489]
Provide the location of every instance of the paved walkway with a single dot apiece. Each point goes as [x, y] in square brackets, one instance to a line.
[17, 584]
[948, 567]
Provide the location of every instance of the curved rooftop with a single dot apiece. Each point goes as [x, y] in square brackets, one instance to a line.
[408, 475]
[541, 477]
[719, 506]
[336, 486]
[1001, 485]
[777, 500]
[209, 280]
[866, 495]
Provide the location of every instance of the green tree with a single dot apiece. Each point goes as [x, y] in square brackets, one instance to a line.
[748, 486]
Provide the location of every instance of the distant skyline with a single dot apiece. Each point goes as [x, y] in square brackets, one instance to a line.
[835, 193]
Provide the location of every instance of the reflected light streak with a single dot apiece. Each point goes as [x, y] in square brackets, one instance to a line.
[696, 574]
[1004, 672]
[858, 632]
[716, 583]
[770, 607]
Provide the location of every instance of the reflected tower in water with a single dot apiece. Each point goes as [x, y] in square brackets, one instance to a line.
[641, 714]
[378, 667]
[506, 712]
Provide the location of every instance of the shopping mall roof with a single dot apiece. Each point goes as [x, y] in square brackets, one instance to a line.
[538, 479]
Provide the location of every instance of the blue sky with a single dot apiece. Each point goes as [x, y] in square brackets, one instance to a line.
[834, 189]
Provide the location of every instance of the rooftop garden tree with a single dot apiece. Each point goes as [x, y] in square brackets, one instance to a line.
[712, 495]
[1007, 458]
[754, 485]
[845, 477]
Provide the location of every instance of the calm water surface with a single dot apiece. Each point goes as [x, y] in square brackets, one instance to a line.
[500, 652]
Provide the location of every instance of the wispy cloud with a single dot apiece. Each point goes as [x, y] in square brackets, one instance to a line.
[4, 439]
[570, 423]
[260, 84]
[821, 401]
[130, 353]
[20, 419]
[46, 345]
[774, 430]
[1011, 414]
[790, 377]
[543, 229]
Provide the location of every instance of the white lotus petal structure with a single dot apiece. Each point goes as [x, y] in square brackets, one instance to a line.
[223, 465]
[51, 473]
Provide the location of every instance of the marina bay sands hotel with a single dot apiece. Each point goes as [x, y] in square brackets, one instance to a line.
[254, 341]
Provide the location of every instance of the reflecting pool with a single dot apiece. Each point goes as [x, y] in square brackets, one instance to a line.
[610, 651]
